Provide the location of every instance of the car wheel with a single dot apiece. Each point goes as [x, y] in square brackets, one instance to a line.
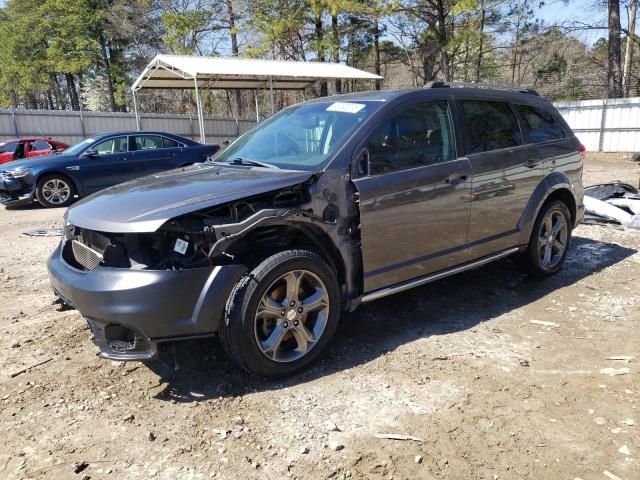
[550, 240]
[55, 191]
[282, 314]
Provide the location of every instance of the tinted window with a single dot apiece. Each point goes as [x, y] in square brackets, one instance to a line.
[491, 125]
[420, 135]
[113, 145]
[147, 142]
[168, 143]
[542, 124]
[40, 145]
[8, 147]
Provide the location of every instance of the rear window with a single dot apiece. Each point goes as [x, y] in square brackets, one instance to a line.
[40, 145]
[542, 124]
[491, 125]
[168, 143]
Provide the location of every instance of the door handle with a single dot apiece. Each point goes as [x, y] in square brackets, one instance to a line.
[532, 163]
[455, 179]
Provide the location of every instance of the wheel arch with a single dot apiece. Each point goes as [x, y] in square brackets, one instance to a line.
[556, 186]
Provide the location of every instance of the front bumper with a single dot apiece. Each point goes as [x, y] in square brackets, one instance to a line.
[14, 192]
[130, 311]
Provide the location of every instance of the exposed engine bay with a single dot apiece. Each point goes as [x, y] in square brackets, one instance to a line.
[198, 239]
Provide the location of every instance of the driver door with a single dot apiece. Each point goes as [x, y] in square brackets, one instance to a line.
[107, 167]
[415, 200]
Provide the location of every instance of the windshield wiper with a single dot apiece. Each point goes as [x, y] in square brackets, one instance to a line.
[250, 163]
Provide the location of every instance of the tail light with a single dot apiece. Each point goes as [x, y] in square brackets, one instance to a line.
[582, 151]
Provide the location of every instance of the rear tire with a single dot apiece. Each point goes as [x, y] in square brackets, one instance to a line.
[550, 240]
[55, 191]
[281, 315]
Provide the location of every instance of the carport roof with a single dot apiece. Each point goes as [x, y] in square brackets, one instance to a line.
[180, 71]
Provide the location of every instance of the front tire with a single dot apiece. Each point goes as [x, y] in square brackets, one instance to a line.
[281, 315]
[550, 240]
[55, 191]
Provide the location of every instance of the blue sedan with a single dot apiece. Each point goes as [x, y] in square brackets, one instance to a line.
[96, 163]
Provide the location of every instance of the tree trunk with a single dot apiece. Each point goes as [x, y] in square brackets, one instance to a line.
[442, 40]
[235, 51]
[376, 49]
[71, 90]
[614, 87]
[628, 56]
[481, 46]
[336, 47]
[108, 72]
[320, 50]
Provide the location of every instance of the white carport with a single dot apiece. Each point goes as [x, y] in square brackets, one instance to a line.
[223, 73]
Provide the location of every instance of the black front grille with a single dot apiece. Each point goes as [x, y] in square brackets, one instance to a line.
[85, 256]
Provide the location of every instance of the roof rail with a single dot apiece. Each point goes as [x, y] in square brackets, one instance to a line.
[488, 86]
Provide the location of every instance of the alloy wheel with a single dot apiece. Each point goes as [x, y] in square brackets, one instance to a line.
[552, 240]
[291, 316]
[56, 191]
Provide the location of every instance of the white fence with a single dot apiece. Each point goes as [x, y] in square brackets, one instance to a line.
[71, 127]
[611, 125]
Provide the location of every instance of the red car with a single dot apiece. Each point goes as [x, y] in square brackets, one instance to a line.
[28, 147]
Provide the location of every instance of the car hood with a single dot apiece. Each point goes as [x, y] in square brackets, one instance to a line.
[145, 204]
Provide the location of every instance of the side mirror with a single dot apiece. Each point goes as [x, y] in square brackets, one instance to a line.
[361, 166]
[91, 153]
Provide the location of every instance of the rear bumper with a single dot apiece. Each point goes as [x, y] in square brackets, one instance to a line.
[130, 311]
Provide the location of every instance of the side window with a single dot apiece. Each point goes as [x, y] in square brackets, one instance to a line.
[491, 125]
[420, 135]
[542, 124]
[111, 146]
[8, 147]
[168, 143]
[147, 142]
[40, 145]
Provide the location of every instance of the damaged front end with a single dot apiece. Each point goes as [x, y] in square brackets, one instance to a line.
[138, 289]
[17, 187]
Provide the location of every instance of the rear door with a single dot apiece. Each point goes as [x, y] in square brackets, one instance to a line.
[414, 201]
[505, 171]
[154, 153]
[37, 148]
[108, 167]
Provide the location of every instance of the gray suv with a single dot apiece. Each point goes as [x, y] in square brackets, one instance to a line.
[328, 204]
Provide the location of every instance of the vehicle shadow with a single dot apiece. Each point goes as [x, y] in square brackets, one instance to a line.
[450, 305]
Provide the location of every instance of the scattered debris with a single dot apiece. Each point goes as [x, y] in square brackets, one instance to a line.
[600, 420]
[398, 436]
[329, 426]
[624, 450]
[418, 459]
[544, 323]
[614, 202]
[624, 358]
[128, 417]
[79, 467]
[44, 232]
[26, 369]
[615, 371]
[304, 450]
[610, 475]
[628, 421]
[336, 446]
[151, 436]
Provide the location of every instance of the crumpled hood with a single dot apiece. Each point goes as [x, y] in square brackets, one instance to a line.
[145, 204]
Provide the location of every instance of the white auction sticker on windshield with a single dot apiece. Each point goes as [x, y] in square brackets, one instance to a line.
[345, 107]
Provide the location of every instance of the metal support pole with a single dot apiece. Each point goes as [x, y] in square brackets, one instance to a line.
[200, 115]
[273, 105]
[135, 109]
[255, 97]
[603, 121]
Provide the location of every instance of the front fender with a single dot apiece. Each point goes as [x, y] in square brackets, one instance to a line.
[551, 183]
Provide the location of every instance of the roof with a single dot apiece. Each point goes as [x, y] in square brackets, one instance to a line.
[179, 71]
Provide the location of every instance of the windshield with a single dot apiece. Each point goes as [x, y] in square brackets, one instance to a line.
[301, 137]
[78, 147]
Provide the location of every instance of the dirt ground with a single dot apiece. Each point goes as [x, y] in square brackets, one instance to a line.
[457, 364]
